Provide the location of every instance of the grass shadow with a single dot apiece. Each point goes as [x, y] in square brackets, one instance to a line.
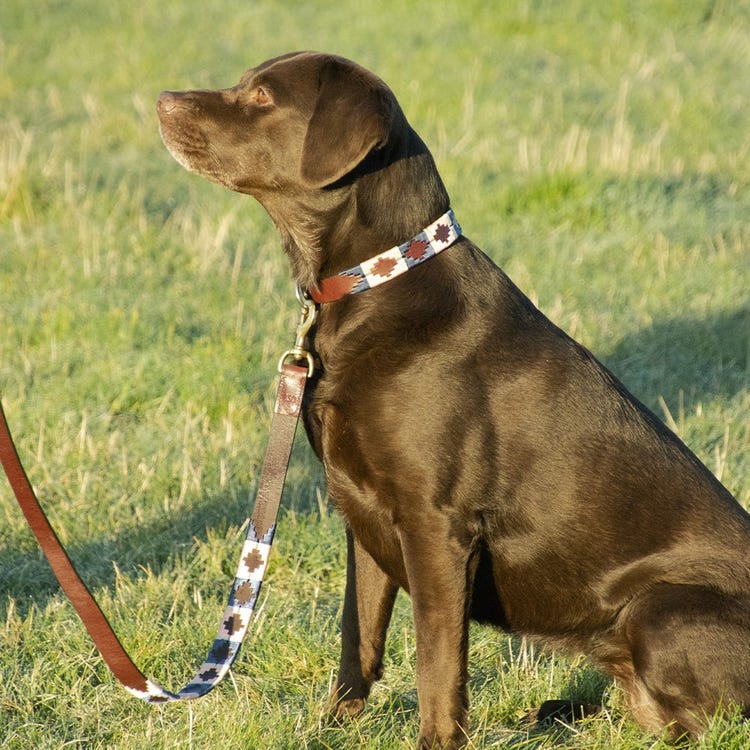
[702, 358]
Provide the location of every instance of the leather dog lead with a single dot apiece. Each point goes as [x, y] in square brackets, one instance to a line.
[253, 559]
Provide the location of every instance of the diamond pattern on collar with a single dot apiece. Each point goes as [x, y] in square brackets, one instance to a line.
[440, 235]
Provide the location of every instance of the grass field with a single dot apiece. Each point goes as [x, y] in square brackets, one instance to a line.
[599, 152]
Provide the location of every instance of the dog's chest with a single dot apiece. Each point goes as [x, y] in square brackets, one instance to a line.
[356, 488]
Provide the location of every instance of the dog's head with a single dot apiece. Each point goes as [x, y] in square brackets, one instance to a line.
[305, 119]
[303, 133]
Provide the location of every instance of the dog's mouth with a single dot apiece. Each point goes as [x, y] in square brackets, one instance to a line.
[185, 140]
[183, 150]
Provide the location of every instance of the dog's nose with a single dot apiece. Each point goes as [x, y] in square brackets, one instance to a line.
[166, 102]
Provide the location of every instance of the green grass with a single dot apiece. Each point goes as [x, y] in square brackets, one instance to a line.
[599, 152]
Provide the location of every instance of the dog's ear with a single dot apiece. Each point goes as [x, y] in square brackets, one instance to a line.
[352, 116]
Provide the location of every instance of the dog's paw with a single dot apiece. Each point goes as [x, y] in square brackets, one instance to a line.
[342, 710]
[431, 742]
[349, 707]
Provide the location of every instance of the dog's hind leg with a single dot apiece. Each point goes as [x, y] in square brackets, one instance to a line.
[691, 655]
[368, 603]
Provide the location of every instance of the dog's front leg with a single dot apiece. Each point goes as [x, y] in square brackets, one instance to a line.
[437, 568]
[368, 603]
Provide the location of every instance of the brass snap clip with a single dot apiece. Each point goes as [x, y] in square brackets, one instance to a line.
[299, 352]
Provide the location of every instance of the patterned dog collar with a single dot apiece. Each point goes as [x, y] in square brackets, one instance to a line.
[391, 263]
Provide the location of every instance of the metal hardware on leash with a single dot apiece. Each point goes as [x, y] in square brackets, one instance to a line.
[308, 314]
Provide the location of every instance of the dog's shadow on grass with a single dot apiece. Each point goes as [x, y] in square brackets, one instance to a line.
[702, 359]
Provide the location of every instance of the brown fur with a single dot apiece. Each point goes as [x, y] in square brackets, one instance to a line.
[484, 461]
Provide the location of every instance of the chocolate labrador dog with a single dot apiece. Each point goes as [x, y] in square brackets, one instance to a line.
[483, 460]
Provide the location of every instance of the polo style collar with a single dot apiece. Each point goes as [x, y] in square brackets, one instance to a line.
[432, 240]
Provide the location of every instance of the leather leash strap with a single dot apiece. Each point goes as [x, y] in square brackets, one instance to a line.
[253, 560]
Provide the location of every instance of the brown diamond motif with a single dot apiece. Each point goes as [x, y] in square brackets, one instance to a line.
[244, 594]
[253, 560]
[416, 250]
[384, 267]
[233, 624]
[442, 233]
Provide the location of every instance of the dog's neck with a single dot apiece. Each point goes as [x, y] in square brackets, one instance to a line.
[304, 224]
[327, 231]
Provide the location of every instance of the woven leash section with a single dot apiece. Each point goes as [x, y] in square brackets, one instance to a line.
[237, 616]
[251, 569]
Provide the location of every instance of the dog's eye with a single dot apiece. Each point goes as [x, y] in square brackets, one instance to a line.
[261, 96]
